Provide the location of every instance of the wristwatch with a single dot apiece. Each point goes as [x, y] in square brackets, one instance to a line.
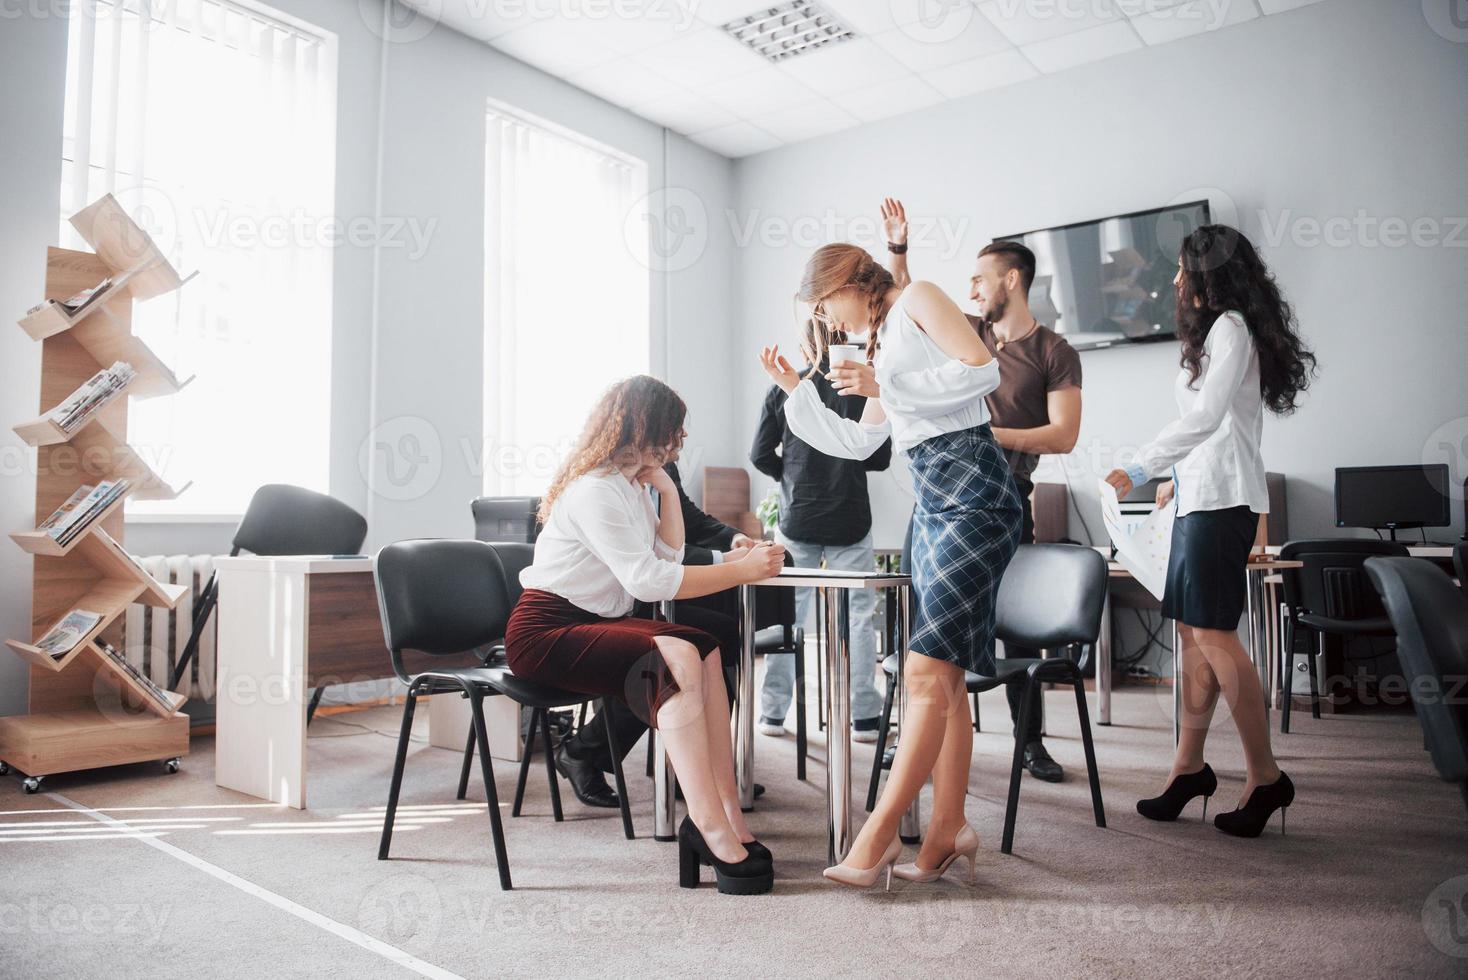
[896, 249]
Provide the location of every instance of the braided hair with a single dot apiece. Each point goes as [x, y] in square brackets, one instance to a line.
[837, 266]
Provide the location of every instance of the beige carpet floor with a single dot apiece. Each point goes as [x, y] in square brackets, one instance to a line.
[1366, 884]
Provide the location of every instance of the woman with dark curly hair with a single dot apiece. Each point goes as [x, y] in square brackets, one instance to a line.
[604, 548]
[1241, 354]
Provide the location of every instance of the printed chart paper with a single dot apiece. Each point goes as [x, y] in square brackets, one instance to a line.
[1144, 551]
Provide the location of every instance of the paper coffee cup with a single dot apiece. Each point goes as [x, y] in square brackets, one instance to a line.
[845, 352]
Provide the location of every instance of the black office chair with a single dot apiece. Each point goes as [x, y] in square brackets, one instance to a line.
[1329, 597]
[1431, 621]
[785, 637]
[281, 520]
[1051, 597]
[1460, 564]
[445, 597]
[505, 518]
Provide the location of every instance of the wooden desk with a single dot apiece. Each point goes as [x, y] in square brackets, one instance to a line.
[286, 627]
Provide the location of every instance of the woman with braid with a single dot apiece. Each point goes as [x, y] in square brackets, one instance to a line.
[925, 378]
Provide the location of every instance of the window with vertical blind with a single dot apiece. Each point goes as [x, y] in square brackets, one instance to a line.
[567, 292]
[213, 123]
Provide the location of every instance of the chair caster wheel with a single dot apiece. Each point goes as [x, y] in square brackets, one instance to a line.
[172, 765]
[4, 768]
[31, 784]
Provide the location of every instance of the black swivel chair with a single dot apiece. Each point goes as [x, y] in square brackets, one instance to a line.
[1051, 597]
[281, 520]
[1431, 621]
[445, 597]
[1329, 597]
[505, 518]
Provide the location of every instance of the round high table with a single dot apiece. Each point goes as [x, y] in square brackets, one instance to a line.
[834, 590]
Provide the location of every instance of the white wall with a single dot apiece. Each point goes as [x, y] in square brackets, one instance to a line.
[1322, 112]
[429, 311]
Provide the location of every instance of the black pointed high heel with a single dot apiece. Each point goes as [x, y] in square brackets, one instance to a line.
[1249, 819]
[1179, 793]
[754, 875]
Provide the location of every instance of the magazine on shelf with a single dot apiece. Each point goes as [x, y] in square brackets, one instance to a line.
[77, 302]
[81, 508]
[65, 635]
[79, 407]
[147, 683]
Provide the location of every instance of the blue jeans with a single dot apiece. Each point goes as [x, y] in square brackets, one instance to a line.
[779, 683]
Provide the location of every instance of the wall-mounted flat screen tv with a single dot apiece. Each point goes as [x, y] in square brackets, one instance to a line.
[1109, 282]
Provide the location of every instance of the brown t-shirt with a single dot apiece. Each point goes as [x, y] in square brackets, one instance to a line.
[1028, 371]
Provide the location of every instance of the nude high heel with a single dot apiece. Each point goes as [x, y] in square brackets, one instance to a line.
[843, 874]
[965, 844]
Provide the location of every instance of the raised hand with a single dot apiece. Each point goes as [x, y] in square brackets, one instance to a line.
[778, 368]
[894, 221]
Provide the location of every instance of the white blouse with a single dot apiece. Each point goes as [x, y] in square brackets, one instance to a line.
[1213, 449]
[600, 549]
[925, 393]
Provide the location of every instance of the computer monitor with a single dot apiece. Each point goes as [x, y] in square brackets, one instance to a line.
[1392, 496]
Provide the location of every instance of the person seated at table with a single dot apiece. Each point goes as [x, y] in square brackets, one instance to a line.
[585, 758]
[603, 548]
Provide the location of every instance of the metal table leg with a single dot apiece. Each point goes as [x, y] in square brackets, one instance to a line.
[744, 717]
[910, 829]
[838, 727]
[1177, 686]
[1103, 663]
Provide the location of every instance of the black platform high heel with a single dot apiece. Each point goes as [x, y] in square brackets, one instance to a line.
[1249, 819]
[754, 875]
[1179, 793]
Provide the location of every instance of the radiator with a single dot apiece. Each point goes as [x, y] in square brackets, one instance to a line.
[155, 638]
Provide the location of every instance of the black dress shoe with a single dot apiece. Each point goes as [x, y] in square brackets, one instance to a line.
[1040, 765]
[587, 781]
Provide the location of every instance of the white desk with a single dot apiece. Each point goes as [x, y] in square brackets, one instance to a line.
[286, 627]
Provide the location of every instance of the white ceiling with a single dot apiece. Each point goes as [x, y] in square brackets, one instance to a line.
[668, 60]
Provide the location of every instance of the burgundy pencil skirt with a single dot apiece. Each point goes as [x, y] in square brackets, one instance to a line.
[553, 641]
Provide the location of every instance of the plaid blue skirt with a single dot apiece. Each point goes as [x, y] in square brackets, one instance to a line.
[965, 529]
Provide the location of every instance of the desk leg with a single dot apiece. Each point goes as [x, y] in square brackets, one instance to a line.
[1177, 685]
[1103, 663]
[664, 780]
[744, 717]
[910, 828]
[838, 724]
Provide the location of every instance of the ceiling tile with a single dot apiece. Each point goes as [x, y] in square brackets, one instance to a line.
[1028, 21]
[559, 47]
[700, 57]
[980, 74]
[889, 99]
[720, 12]
[736, 140]
[763, 90]
[805, 121]
[1060, 53]
[918, 52]
[1196, 17]
[845, 66]
[870, 17]
[479, 20]
[686, 112]
[1280, 6]
[1136, 8]
[623, 82]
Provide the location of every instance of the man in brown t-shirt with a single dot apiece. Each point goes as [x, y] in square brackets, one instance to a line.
[1035, 410]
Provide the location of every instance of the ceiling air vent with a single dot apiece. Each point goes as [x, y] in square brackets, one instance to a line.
[790, 29]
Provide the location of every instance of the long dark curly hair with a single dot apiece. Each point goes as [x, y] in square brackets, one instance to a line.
[635, 415]
[1221, 271]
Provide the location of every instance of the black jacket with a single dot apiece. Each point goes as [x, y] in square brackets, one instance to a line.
[823, 499]
[702, 534]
